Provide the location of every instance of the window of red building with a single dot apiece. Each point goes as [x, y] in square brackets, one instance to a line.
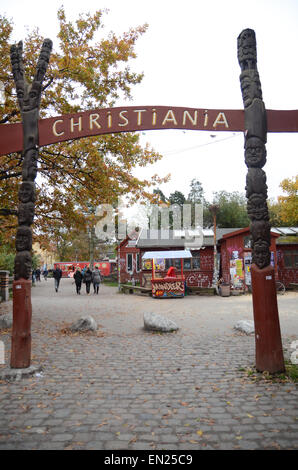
[291, 259]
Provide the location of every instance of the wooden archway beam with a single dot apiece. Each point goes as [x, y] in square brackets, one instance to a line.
[139, 118]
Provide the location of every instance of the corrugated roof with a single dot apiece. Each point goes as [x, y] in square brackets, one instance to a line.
[220, 232]
[285, 230]
[174, 254]
[178, 238]
[170, 238]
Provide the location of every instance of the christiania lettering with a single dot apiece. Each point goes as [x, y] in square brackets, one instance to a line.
[126, 119]
[129, 119]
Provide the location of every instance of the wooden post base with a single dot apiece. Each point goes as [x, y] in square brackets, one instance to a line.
[269, 352]
[21, 326]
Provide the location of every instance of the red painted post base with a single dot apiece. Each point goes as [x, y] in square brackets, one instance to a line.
[21, 326]
[269, 352]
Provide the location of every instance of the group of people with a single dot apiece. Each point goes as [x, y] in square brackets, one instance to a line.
[86, 276]
[36, 273]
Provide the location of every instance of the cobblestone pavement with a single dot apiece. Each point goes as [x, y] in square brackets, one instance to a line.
[127, 388]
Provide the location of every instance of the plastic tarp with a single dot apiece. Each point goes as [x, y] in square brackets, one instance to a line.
[177, 254]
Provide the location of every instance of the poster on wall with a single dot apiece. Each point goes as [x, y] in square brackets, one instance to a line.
[239, 268]
[236, 272]
[147, 264]
[159, 264]
[247, 272]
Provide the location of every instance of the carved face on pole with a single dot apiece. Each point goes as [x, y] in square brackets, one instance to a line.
[261, 254]
[256, 182]
[255, 152]
[26, 213]
[260, 230]
[24, 238]
[257, 207]
[28, 96]
[29, 171]
[22, 265]
[250, 86]
[27, 192]
[247, 51]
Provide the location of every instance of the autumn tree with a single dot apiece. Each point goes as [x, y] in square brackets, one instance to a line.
[274, 208]
[88, 69]
[161, 197]
[288, 205]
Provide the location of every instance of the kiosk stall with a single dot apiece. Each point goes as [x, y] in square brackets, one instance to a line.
[173, 284]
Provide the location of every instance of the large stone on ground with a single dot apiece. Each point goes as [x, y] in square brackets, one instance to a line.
[5, 321]
[84, 324]
[245, 326]
[294, 354]
[155, 322]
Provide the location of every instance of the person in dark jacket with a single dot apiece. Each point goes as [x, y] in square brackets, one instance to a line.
[78, 277]
[57, 274]
[87, 279]
[96, 279]
[37, 273]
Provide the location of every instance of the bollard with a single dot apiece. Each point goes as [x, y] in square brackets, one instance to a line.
[4, 285]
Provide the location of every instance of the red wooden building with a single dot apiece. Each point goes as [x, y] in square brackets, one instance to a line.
[129, 262]
[198, 270]
[234, 246]
[234, 256]
[287, 255]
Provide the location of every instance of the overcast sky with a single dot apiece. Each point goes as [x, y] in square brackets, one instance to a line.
[189, 58]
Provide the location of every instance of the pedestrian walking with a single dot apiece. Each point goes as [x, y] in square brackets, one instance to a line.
[45, 274]
[96, 279]
[78, 277]
[84, 270]
[87, 278]
[37, 273]
[57, 274]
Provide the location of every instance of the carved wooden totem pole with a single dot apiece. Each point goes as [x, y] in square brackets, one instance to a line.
[29, 101]
[269, 353]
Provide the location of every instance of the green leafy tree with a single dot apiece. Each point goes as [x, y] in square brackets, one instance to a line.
[232, 210]
[196, 193]
[7, 259]
[177, 198]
